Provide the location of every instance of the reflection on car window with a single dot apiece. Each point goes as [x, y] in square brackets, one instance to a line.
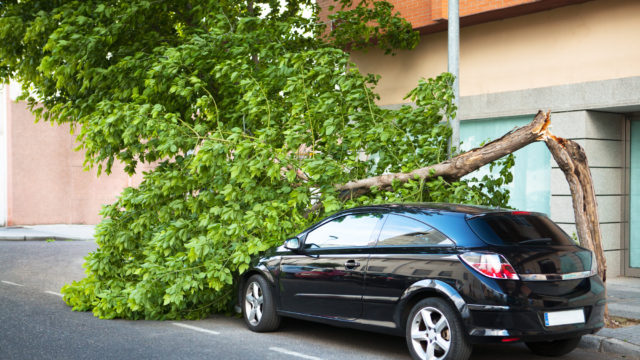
[519, 229]
[345, 231]
[403, 231]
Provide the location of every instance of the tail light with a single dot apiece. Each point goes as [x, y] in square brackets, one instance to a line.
[490, 265]
[510, 339]
[594, 265]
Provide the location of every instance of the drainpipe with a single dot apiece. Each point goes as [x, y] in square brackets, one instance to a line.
[454, 68]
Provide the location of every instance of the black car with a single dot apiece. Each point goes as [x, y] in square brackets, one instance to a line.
[444, 276]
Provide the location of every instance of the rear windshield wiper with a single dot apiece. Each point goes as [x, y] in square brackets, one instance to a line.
[545, 241]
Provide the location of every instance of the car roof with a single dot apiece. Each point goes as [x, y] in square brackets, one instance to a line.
[433, 207]
[446, 218]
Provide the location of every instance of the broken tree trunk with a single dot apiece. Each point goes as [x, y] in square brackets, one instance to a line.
[568, 154]
[572, 160]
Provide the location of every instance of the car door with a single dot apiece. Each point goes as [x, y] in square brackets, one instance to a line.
[407, 251]
[327, 277]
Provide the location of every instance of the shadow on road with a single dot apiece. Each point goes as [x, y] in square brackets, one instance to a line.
[394, 347]
[381, 344]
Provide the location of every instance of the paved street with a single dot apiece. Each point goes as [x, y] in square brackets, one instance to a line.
[36, 324]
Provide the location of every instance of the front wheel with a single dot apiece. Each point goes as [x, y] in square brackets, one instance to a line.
[553, 348]
[434, 331]
[259, 310]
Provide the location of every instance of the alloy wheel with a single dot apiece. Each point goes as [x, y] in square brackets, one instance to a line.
[430, 334]
[253, 303]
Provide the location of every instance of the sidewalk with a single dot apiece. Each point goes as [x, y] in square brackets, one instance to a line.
[623, 297]
[47, 232]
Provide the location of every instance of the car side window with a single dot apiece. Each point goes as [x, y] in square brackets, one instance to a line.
[403, 231]
[346, 231]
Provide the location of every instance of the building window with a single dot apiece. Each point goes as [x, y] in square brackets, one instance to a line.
[531, 186]
[634, 198]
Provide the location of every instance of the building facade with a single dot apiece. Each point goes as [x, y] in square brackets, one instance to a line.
[579, 59]
[42, 178]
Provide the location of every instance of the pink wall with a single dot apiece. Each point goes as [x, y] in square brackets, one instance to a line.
[46, 183]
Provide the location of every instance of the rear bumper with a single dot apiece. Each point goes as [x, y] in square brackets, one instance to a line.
[521, 316]
[494, 326]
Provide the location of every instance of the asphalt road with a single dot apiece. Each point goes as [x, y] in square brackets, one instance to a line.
[36, 324]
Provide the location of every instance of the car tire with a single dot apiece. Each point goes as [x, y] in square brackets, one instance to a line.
[434, 331]
[258, 306]
[555, 347]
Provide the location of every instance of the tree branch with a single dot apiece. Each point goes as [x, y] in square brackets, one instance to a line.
[460, 165]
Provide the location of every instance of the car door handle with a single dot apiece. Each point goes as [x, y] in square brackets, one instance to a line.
[351, 264]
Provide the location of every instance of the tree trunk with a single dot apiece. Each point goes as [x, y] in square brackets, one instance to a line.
[568, 154]
[573, 162]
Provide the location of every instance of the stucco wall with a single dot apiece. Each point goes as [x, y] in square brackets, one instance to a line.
[586, 42]
[46, 183]
[3, 158]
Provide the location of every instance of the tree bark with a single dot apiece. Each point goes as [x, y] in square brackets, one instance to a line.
[572, 160]
[568, 154]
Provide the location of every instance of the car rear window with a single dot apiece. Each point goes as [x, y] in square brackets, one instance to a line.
[518, 229]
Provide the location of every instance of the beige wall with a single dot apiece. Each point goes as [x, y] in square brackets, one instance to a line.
[593, 41]
[3, 157]
[46, 183]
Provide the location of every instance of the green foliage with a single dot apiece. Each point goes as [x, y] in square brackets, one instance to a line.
[370, 23]
[249, 119]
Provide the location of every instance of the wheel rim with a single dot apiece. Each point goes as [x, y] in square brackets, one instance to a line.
[430, 334]
[253, 303]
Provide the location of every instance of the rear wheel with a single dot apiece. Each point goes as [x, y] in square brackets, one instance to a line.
[258, 310]
[553, 348]
[434, 331]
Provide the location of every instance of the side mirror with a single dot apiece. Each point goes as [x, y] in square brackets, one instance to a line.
[292, 244]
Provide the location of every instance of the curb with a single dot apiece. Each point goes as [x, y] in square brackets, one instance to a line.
[48, 232]
[610, 345]
[40, 238]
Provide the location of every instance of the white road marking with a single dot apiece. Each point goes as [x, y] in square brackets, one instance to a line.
[54, 293]
[293, 353]
[195, 328]
[11, 283]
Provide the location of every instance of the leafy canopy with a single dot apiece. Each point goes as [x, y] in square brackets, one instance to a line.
[250, 112]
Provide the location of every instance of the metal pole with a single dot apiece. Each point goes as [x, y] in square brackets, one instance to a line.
[454, 68]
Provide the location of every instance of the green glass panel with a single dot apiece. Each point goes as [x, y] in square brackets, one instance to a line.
[634, 201]
[531, 186]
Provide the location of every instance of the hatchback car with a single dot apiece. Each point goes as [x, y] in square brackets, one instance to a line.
[443, 276]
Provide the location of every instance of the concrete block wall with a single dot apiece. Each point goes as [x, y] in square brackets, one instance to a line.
[602, 135]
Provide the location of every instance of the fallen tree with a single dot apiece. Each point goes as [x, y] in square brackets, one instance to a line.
[222, 97]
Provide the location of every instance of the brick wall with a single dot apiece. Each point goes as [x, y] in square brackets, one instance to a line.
[431, 15]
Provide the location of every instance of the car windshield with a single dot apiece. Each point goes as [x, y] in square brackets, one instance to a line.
[518, 229]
